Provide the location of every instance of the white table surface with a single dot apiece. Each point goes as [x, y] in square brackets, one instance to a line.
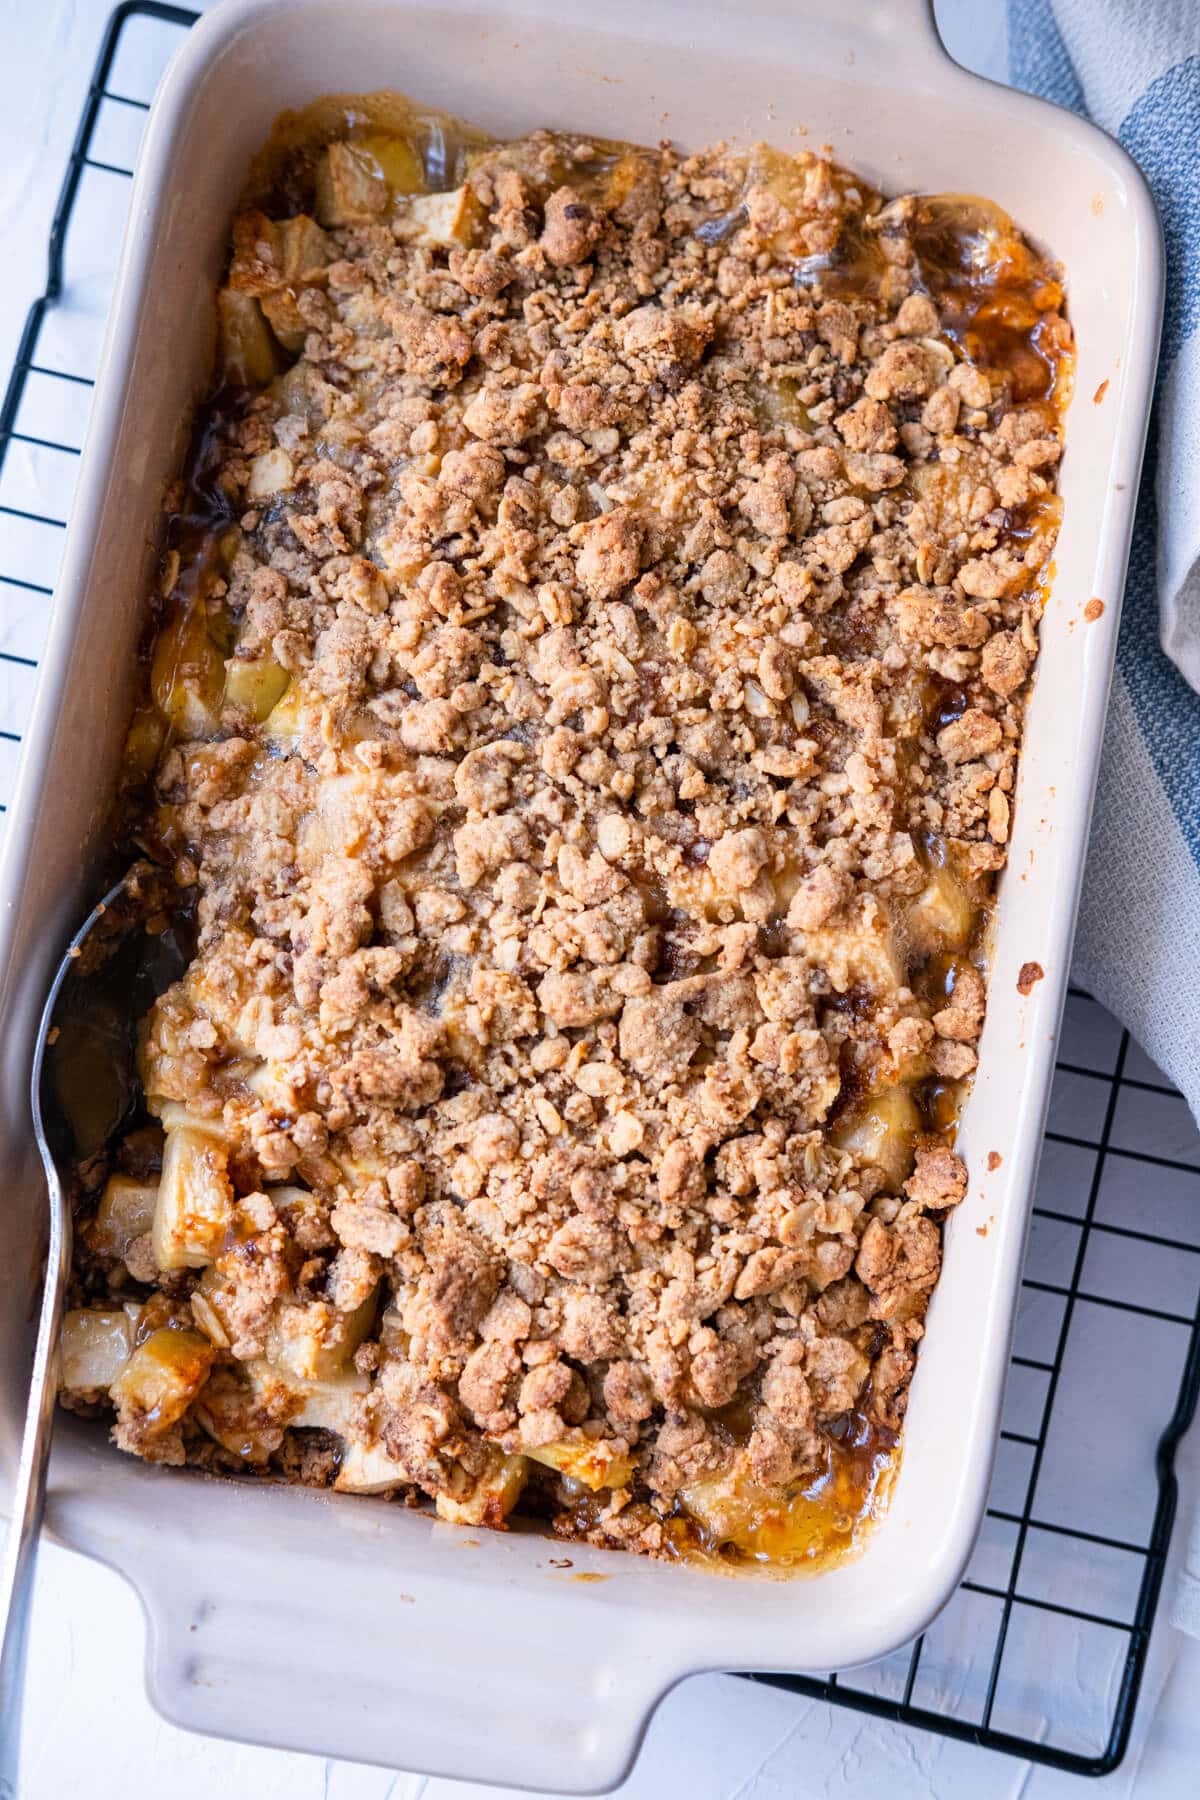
[86, 1717]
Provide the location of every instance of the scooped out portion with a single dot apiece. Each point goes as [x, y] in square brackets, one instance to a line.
[582, 723]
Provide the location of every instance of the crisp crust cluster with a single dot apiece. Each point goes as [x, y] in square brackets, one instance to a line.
[658, 588]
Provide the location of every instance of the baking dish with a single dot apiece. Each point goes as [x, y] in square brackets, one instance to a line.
[363, 1630]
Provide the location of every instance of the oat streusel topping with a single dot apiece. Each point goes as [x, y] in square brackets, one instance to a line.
[587, 723]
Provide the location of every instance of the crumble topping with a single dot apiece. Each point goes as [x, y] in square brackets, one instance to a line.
[584, 716]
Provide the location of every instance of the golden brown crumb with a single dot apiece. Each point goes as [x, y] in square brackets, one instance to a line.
[624, 649]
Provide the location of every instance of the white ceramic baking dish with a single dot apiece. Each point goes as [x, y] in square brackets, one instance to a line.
[359, 1629]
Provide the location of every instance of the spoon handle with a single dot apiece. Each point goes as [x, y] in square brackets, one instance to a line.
[29, 1494]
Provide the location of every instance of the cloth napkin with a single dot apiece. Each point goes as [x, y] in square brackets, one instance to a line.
[1134, 67]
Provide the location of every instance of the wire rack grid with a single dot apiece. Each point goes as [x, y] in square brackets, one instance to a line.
[1042, 1650]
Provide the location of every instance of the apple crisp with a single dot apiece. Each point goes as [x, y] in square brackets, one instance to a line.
[584, 698]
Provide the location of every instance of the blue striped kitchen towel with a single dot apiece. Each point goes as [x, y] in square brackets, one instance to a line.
[1134, 67]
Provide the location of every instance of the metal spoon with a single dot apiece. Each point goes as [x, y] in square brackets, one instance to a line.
[96, 945]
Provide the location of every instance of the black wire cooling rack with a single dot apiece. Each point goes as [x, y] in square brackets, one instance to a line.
[1042, 1651]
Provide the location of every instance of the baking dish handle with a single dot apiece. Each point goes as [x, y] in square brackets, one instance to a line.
[534, 1690]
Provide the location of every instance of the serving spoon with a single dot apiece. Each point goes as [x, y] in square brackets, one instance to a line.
[98, 945]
